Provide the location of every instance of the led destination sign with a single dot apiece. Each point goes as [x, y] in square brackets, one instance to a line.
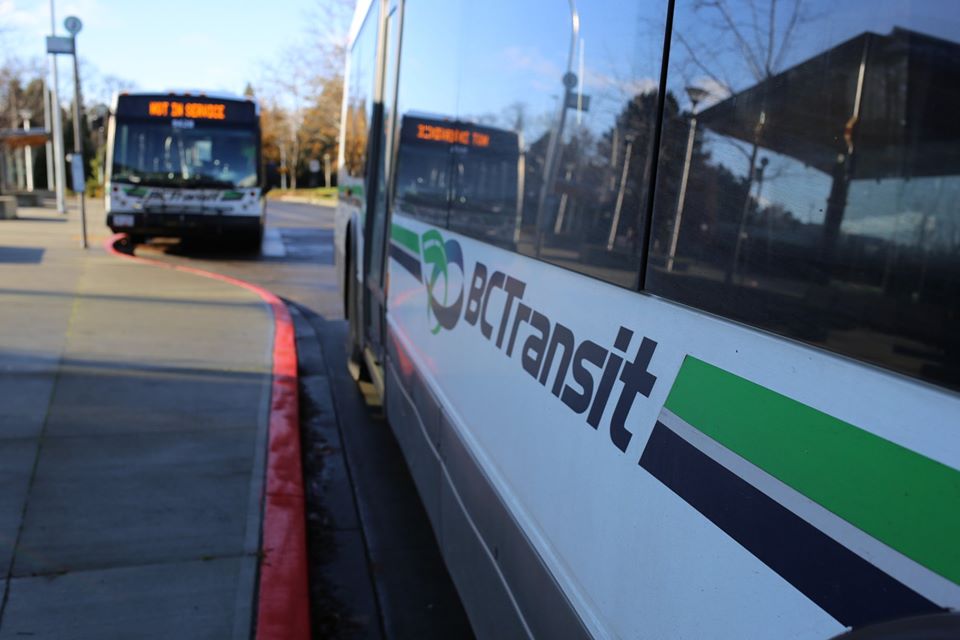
[441, 132]
[452, 136]
[192, 110]
[186, 108]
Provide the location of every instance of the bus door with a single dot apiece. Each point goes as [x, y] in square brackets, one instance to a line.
[378, 219]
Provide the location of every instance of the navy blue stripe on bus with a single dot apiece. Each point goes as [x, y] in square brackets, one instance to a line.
[407, 261]
[842, 583]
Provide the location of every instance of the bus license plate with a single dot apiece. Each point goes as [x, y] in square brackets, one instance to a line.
[121, 220]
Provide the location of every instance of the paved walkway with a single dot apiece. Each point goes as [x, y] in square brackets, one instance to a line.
[133, 416]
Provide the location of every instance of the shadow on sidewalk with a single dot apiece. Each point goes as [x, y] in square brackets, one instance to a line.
[21, 255]
[367, 528]
[253, 304]
[20, 218]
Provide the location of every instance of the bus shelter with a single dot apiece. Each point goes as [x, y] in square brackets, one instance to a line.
[873, 107]
[14, 144]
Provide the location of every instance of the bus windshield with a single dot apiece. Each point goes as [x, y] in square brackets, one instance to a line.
[461, 175]
[155, 154]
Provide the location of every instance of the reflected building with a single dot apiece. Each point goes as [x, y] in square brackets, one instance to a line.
[843, 227]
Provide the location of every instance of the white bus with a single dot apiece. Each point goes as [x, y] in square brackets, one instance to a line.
[185, 165]
[679, 355]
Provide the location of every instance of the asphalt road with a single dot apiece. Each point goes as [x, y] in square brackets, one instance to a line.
[375, 568]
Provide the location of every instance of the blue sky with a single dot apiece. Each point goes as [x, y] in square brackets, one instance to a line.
[215, 44]
[209, 44]
[480, 61]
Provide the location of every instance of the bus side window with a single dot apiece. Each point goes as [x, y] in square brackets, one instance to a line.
[359, 113]
[818, 197]
[580, 93]
[426, 107]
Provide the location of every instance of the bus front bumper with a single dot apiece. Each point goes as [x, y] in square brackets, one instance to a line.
[182, 225]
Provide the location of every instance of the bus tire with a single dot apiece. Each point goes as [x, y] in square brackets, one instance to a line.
[354, 347]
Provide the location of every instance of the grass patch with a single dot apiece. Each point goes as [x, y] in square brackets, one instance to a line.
[318, 193]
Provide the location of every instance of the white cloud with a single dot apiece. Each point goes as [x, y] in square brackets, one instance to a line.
[20, 21]
[25, 23]
[624, 88]
[716, 91]
[517, 58]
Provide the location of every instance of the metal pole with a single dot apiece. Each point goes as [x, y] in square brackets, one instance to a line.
[28, 157]
[58, 162]
[283, 167]
[623, 187]
[683, 193]
[46, 127]
[556, 134]
[558, 227]
[78, 144]
[751, 176]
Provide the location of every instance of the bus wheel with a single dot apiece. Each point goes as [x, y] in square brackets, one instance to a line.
[127, 245]
[354, 349]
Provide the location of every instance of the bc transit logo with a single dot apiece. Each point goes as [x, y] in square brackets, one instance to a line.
[581, 372]
[440, 258]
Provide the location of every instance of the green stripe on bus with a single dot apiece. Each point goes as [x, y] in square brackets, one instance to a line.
[408, 239]
[905, 500]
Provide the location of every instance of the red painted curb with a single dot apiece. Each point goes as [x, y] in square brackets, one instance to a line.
[283, 607]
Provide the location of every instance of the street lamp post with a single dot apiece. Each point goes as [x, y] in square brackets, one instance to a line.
[59, 168]
[751, 178]
[73, 26]
[556, 134]
[696, 95]
[628, 154]
[764, 161]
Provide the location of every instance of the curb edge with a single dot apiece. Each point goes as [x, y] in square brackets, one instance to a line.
[283, 602]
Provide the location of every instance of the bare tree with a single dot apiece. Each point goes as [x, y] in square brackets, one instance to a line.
[728, 49]
[327, 33]
[304, 87]
[98, 87]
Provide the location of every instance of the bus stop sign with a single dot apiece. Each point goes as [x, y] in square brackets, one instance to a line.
[59, 44]
[76, 172]
[73, 25]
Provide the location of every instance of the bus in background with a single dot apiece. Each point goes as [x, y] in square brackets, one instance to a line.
[702, 379]
[185, 165]
[474, 169]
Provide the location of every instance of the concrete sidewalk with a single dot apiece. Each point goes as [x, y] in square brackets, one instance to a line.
[133, 417]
